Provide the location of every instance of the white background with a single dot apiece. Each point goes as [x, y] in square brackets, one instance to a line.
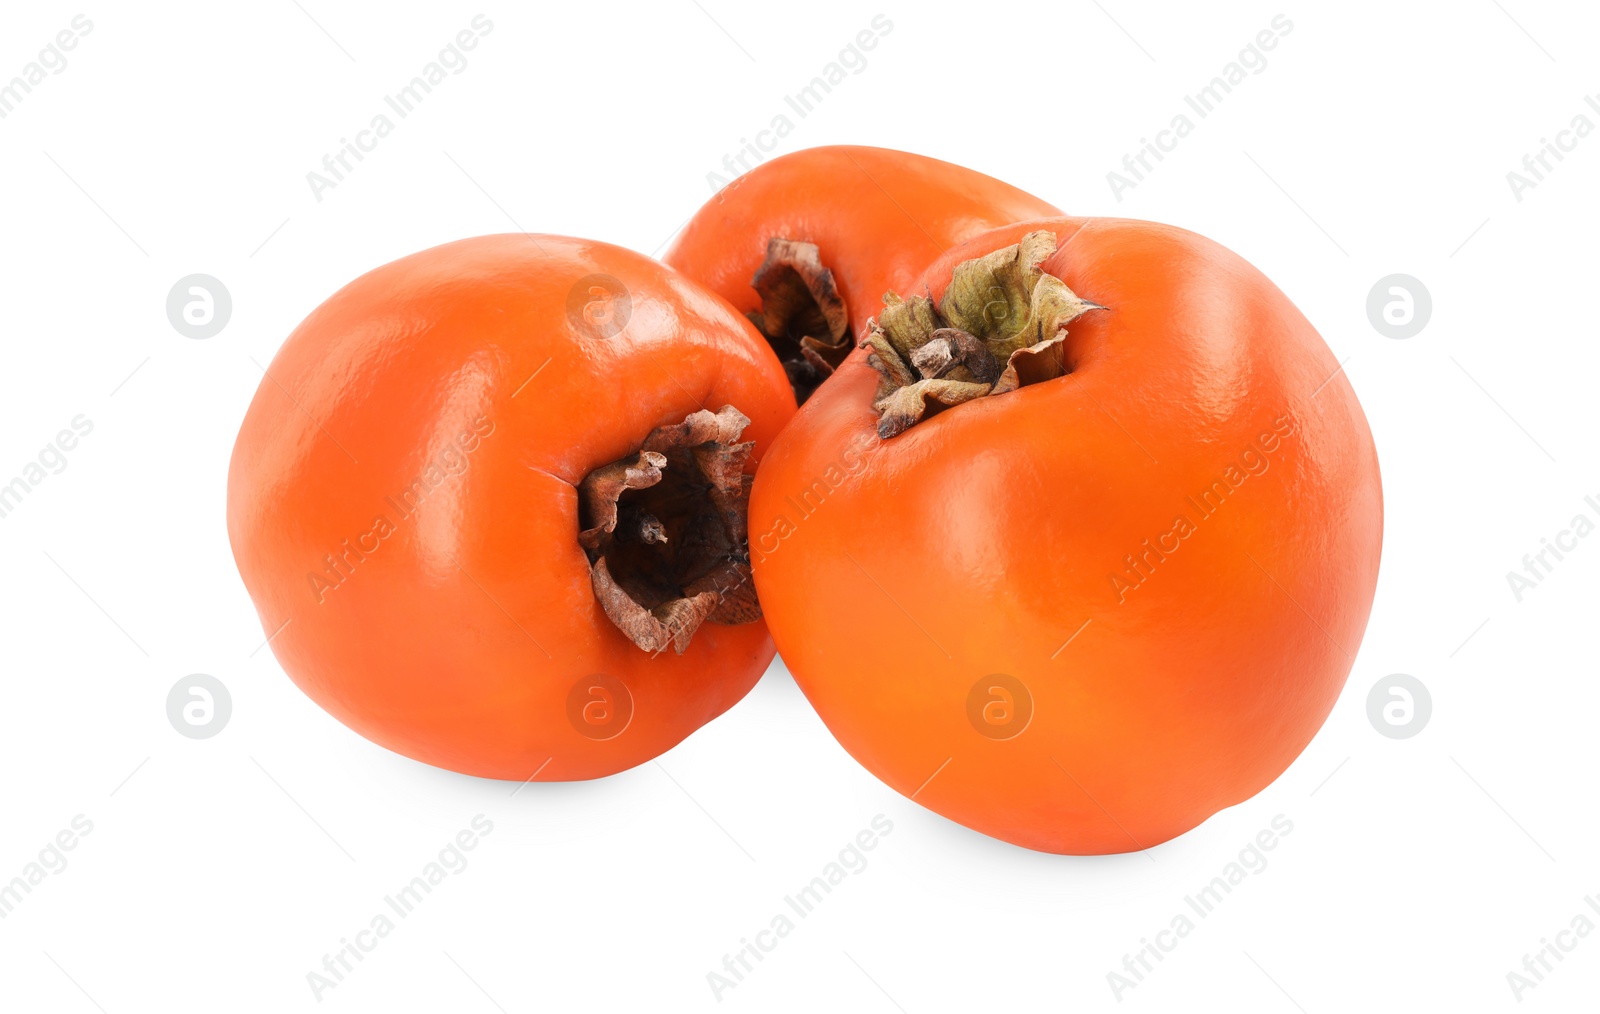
[219, 872]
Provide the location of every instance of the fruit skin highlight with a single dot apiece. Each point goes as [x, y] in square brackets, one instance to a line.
[1086, 614]
[876, 217]
[403, 509]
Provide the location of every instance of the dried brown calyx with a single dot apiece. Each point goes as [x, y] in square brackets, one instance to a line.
[664, 529]
[1000, 326]
[801, 314]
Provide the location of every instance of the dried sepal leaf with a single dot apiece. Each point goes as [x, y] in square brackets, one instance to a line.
[991, 296]
[802, 315]
[999, 308]
[1052, 308]
[1033, 365]
[813, 353]
[910, 323]
[599, 491]
[905, 406]
[723, 464]
[735, 590]
[670, 624]
[682, 617]
[886, 359]
[697, 428]
[682, 548]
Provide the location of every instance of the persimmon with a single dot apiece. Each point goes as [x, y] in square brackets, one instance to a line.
[489, 503]
[807, 244]
[1078, 547]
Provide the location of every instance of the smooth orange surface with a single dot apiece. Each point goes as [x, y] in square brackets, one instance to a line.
[427, 426]
[897, 574]
[877, 217]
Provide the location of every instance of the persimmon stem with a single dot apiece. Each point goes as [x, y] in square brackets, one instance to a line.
[665, 532]
[1001, 308]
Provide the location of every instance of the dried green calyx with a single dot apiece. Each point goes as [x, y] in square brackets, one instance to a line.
[665, 532]
[802, 315]
[1000, 326]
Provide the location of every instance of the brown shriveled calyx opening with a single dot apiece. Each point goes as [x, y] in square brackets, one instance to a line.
[664, 529]
[1000, 326]
[801, 314]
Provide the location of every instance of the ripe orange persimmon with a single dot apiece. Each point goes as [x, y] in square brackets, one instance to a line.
[1078, 548]
[808, 243]
[468, 472]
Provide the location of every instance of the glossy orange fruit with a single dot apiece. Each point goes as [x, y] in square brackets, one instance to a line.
[808, 243]
[1080, 550]
[406, 505]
